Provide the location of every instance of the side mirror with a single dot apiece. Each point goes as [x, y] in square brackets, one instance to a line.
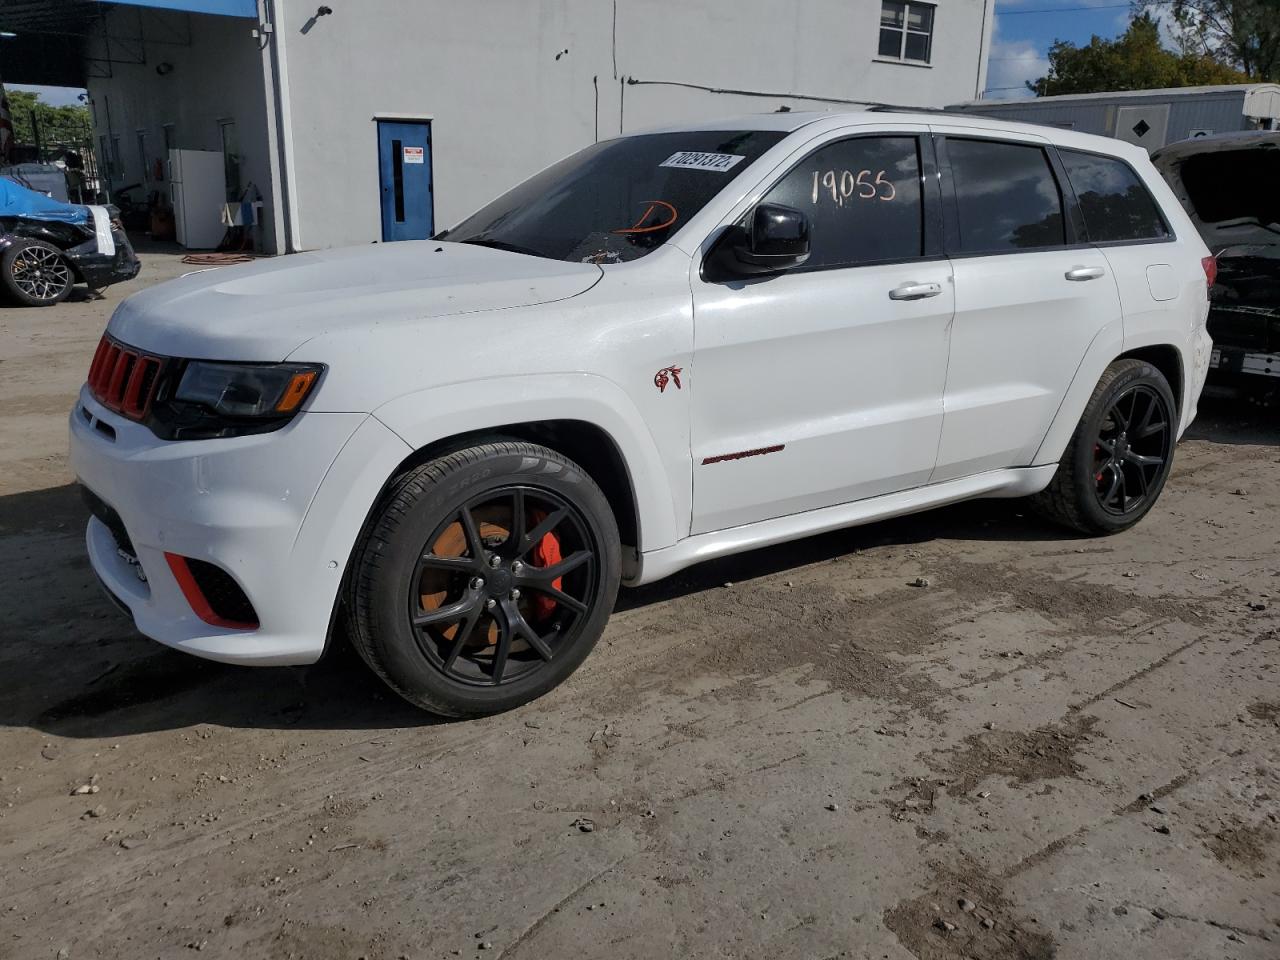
[776, 238]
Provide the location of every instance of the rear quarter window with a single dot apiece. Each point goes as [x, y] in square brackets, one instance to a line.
[1116, 205]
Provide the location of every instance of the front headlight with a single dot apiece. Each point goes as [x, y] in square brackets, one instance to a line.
[247, 389]
[213, 399]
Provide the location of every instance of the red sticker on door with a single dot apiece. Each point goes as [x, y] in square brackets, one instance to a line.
[415, 154]
[667, 375]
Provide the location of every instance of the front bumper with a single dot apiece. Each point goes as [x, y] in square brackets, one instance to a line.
[279, 512]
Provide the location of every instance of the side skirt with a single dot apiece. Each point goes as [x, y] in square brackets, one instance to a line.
[655, 565]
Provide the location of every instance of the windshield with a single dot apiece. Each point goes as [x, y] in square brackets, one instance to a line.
[616, 200]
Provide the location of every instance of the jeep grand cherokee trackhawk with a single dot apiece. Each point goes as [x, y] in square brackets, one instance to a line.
[666, 348]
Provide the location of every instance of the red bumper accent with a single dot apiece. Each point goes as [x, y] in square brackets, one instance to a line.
[195, 596]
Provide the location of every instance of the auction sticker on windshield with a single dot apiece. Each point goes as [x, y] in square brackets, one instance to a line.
[693, 160]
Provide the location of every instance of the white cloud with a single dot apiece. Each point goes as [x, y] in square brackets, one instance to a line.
[1011, 64]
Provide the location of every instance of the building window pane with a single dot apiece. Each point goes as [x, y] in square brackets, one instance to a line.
[104, 157]
[920, 18]
[917, 47]
[1006, 195]
[230, 159]
[906, 31]
[863, 200]
[890, 43]
[1115, 203]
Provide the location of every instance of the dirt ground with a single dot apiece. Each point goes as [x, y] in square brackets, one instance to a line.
[1060, 747]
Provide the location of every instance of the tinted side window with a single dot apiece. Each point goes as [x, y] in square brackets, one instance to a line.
[1115, 203]
[1007, 197]
[862, 197]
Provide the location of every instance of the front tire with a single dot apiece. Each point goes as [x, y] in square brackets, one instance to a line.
[1120, 455]
[484, 579]
[35, 273]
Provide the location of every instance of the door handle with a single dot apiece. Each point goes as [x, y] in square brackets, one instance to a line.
[1085, 273]
[915, 291]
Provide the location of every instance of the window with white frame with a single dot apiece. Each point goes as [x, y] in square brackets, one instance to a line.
[906, 31]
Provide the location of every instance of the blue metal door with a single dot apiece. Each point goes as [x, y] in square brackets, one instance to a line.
[404, 165]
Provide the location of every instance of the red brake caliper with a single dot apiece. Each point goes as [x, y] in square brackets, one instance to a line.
[546, 553]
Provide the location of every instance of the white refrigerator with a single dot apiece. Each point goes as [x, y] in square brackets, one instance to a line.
[197, 190]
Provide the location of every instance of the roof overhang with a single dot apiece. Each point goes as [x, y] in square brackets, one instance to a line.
[223, 8]
[48, 38]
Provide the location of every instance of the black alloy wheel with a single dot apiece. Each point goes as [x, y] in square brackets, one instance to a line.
[503, 585]
[1119, 457]
[484, 578]
[1133, 445]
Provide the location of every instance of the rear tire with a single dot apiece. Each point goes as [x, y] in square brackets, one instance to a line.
[484, 578]
[1119, 457]
[35, 273]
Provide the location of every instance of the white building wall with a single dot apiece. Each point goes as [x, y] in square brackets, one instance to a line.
[216, 75]
[513, 85]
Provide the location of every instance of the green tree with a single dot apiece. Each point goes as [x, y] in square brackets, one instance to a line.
[66, 124]
[1242, 33]
[1135, 60]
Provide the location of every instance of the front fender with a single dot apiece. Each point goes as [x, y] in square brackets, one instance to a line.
[437, 413]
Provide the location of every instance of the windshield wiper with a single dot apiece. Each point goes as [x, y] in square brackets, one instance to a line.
[503, 245]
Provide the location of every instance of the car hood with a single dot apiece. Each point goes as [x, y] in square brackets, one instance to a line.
[267, 309]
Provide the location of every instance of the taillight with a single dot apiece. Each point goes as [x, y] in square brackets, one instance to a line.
[1210, 265]
[124, 380]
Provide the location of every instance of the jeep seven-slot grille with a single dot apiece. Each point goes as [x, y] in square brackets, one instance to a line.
[123, 379]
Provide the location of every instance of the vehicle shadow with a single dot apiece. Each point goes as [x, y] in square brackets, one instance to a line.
[1007, 521]
[1231, 416]
[83, 294]
[74, 666]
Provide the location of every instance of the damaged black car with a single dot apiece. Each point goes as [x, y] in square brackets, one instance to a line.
[1228, 184]
[47, 247]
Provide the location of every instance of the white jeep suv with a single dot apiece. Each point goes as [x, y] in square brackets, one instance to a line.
[666, 348]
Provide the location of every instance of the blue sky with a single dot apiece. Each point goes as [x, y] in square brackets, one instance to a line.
[55, 96]
[1024, 29]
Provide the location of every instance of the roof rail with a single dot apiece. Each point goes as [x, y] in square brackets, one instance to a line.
[899, 108]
